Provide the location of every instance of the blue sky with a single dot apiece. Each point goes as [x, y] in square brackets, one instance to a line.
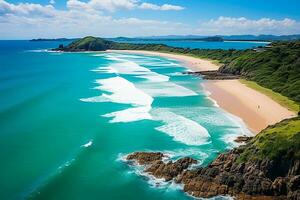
[108, 18]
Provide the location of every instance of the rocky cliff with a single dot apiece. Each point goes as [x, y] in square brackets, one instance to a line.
[266, 167]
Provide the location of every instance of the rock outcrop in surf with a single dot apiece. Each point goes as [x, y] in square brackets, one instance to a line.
[260, 169]
[157, 167]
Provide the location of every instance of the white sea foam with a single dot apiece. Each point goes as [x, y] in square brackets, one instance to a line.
[140, 171]
[155, 77]
[240, 130]
[108, 69]
[165, 89]
[39, 50]
[193, 152]
[220, 197]
[123, 66]
[215, 103]
[207, 115]
[208, 96]
[180, 128]
[122, 91]
[95, 99]
[126, 56]
[160, 183]
[130, 114]
[129, 67]
[215, 117]
[177, 74]
[88, 144]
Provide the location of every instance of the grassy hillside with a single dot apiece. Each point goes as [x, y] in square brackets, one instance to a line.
[277, 68]
[282, 100]
[280, 141]
[88, 43]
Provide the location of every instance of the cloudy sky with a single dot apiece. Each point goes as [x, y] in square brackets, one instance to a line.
[25, 19]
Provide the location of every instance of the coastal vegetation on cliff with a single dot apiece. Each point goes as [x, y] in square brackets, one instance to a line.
[278, 142]
[88, 43]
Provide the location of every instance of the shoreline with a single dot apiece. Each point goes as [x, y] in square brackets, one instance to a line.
[194, 64]
[256, 109]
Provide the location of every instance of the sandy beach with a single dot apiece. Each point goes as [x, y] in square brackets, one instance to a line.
[194, 64]
[254, 108]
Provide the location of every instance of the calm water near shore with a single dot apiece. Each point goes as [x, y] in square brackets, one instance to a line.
[68, 119]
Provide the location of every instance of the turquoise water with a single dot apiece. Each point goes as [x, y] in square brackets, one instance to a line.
[240, 45]
[68, 119]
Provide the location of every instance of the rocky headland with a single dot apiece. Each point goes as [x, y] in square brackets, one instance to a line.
[214, 75]
[88, 43]
[266, 167]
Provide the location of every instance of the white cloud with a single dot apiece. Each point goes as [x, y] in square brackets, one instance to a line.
[25, 9]
[80, 19]
[113, 5]
[52, 2]
[171, 7]
[109, 5]
[163, 7]
[242, 25]
[28, 20]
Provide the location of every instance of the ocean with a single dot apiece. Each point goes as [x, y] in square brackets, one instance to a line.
[68, 119]
[240, 45]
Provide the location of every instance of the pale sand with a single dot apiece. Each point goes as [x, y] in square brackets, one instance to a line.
[195, 64]
[256, 109]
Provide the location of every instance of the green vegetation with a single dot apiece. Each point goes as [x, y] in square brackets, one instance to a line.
[280, 141]
[87, 44]
[282, 100]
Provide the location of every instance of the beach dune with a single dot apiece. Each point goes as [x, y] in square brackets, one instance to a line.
[254, 108]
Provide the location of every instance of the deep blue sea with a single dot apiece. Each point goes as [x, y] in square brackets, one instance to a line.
[68, 119]
[240, 45]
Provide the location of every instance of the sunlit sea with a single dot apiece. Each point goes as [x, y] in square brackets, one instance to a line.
[68, 119]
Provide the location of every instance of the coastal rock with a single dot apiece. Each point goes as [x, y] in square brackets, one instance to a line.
[145, 158]
[224, 176]
[214, 75]
[157, 167]
[169, 170]
[254, 171]
[242, 139]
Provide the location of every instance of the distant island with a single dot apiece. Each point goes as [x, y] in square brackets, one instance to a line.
[204, 39]
[268, 166]
[51, 40]
[262, 38]
[88, 44]
[217, 38]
